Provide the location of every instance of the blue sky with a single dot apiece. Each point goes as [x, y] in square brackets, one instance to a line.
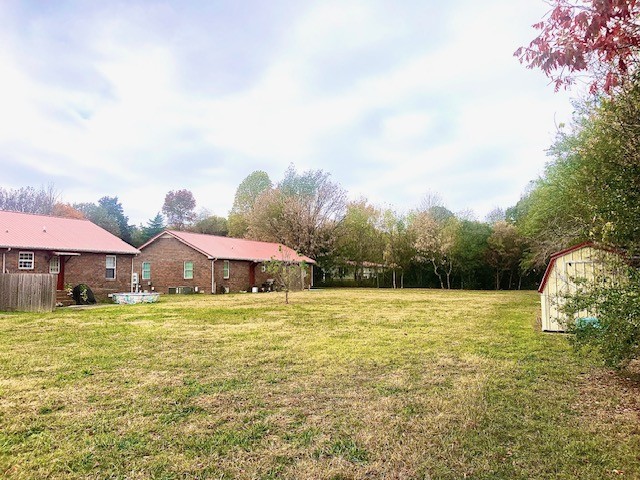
[394, 99]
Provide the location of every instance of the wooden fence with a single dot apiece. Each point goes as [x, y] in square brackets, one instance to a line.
[27, 292]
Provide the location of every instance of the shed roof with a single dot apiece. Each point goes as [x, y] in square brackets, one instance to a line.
[63, 235]
[234, 248]
[557, 255]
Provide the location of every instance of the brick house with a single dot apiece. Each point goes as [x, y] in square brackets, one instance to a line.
[176, 261]
[78, 251]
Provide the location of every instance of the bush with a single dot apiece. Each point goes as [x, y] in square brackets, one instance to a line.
[615, 335]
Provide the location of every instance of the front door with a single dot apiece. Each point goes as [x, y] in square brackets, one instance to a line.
[252, 274]
[56, 266]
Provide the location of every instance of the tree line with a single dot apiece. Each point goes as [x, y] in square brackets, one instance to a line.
[591, 188]
[429, 246]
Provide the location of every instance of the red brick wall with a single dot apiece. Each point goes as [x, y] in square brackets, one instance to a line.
[167, 256]
[89, 268]
[41, 261]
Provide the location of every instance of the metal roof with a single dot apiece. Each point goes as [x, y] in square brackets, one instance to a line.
[41, 232]
[228, 248]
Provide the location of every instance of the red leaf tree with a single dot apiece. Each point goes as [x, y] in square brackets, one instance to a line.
[598, 37]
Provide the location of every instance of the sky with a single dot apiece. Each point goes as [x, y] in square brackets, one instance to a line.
[395, 99]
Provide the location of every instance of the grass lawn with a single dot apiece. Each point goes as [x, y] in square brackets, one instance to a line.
[339, 384]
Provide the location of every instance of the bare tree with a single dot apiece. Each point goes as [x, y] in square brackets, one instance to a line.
[435, 241]
[287, 272]
[29, 200]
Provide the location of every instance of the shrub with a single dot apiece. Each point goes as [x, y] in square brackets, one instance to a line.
[615, 304]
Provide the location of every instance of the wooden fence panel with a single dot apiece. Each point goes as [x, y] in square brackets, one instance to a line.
[27, 292]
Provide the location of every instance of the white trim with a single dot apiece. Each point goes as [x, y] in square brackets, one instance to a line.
[57, 265]
[226, 270]
[142, 270]
[107, 267]
[184, 270]
[33, 261]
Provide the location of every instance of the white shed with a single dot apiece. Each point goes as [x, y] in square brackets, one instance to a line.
[579, 261]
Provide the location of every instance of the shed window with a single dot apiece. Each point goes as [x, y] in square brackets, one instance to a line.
[110, 264]
[225, 269]
[188, 270]
[54, 265]
[25, 261]
[146, 270]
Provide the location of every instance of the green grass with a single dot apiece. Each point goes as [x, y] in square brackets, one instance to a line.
[339, 384]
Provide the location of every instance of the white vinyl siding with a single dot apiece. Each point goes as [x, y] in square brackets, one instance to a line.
[188, 270]
[25, 261]
[110, 264]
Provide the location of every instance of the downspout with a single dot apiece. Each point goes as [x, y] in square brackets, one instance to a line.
[213, 277]
[4, 260]
[131, 277]
[311, 282]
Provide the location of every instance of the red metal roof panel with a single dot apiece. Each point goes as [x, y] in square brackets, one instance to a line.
[235, 248]
[42, 232]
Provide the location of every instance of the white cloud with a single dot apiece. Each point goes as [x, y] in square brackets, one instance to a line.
[444, 110]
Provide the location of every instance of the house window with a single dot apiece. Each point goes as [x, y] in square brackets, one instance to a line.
[25, 261]
[188, 270]
[264, 268]
[111, 267]
[54, 265]
[146, 270]
[225, 270]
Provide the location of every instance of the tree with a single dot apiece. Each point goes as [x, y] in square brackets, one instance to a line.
[99, 215]
[398, 240]
[597, 37]
[496, 215]
[591, 188]
[153, 227]
[302, 212]
[358, 239]
[246, 194]
[113, 207]
[210, 224]
[470, 254]
[435, 240]
[505, 249]
[67, 211]
[615, 306]
[249, 189]
[179, 208]
[29, 200]
[287, 272]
